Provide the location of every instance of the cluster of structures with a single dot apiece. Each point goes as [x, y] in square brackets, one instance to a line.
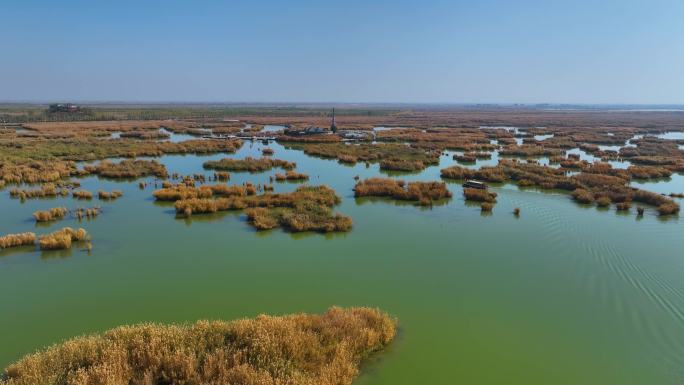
[67, 107]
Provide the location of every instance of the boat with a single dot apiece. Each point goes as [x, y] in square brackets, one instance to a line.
[475, 184]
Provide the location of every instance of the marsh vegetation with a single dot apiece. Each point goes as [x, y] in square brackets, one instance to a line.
[324, 349]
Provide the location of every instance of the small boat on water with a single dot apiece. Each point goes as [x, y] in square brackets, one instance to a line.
[475, 184]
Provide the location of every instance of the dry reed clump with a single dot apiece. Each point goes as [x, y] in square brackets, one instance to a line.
[668, 208]
[50, 215]
[623, 206]
[423, 193]
[465, 158]
[291, 175]
[603, 201]
[46, 190]
[34, 171]
[516, 211]
[479, 195]
[401, 165]
[129, 168]
[267, 151]
[222, 176]
[583, 196]
[319, 194]
[180, 191]
[367, 152]
[61, 239]
[105, 195]
[640, 211]
[324, 349]
[586, 187]
[248, 164]
[306, 209]
[82, 194]
[16, 240]
[648, 172]
[83, 212]
[350, 159]
[145, 135]
[486, 206]
[304, 216]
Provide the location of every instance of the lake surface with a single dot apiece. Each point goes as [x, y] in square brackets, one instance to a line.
[564, 294]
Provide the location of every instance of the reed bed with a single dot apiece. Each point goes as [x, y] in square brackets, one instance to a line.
[291, 175]
[222, 176]
[623, 206]
[62, 239]
[107, 195]
[267, 151]
[47, 190]
[402, 165]
[35, 171]
[465, 158]
[486, 207]
[82, 194]
[586, 187]
[17, 240]
[85, 212]
[248, 164]
[52, 214]
[479, 195]
[181, 191]
[423, 193]
[145, 135]
[306, 209]
[325, 349]
[304, 216]
[367, 152]
[129, 168]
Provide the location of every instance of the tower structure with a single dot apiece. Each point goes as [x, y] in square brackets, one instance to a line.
[333, 126]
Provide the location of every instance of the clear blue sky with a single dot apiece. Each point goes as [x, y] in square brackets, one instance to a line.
[455, 51]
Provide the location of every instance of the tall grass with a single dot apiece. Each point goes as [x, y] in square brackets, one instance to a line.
[479, 195]
[82, 194]
[423, 193]
[50, 215]
[248, 164]
[61, 239]
[291, 175]
[106, 195]
[16, 240]
[324, 349]
[129, 168]
[180, 192]
[306, 209]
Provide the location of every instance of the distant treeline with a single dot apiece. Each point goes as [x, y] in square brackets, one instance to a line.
[39, 113]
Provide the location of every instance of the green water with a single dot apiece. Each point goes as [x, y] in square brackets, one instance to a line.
[564, 294]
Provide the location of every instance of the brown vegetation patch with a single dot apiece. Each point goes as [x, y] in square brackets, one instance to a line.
[109, 195]
[479, 195]
[16, 240]
[61, 239]
[291, 175]
[128, 168]
[307, 208]
[322, 349]
[423, 193]
[52, 214]
[248, 164]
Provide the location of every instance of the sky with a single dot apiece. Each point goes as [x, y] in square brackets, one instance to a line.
[400, 51]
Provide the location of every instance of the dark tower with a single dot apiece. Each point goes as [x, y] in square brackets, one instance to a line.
[333, 127]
